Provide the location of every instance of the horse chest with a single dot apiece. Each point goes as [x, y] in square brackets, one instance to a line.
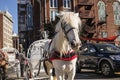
[66, 57]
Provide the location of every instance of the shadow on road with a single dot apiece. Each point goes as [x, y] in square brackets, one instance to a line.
[93, 75]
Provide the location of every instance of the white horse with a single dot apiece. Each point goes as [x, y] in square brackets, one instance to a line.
[62, 48]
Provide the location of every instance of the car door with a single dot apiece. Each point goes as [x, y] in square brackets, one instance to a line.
[91, 60]
[82, 56]
[88, 56]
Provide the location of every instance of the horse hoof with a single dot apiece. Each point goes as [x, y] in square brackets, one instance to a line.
[54, 78]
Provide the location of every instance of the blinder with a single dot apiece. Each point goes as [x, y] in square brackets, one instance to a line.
[65, 32]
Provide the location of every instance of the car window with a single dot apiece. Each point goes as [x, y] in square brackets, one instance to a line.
[108, 48]
[111, 48]
[91, 49]
[84, 49]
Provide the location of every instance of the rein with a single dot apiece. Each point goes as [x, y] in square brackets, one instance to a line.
[65, 32]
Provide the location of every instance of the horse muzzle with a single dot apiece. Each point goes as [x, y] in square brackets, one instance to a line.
[75, 45]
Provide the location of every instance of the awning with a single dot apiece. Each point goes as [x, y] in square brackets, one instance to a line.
[100, 39]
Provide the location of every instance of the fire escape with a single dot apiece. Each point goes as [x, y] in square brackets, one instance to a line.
[86, 11]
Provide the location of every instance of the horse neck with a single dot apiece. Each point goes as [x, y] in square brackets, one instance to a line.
[60, 43]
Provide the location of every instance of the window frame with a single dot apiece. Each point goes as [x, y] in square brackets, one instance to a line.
[67, 4]
[54, 4]
[101, 11]
[116, 10]
[52, 16]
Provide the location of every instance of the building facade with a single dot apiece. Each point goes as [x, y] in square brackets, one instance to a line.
[100, 18]
[6, 25]
[15, 39]
[45, 12]
[34, 14]
[51, 7]
[25, 23]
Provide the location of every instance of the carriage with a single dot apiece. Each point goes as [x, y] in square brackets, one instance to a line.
[36, 57]
[13, 69]
[60, 52]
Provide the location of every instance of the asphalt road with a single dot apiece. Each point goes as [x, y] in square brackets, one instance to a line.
[84, 75]
[91, 75]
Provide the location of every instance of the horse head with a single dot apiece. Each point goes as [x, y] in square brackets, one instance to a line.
[70, 27]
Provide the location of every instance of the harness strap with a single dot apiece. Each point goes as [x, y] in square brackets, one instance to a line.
[67, 57]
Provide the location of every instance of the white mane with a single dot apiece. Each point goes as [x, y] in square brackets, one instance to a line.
[60, 43]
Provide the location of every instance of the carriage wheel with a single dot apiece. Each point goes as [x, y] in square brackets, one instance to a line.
[39, 67]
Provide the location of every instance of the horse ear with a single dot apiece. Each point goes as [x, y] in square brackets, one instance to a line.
[58, 15]
[77, 14]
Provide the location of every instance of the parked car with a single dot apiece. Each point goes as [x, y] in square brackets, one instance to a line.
[104, 58]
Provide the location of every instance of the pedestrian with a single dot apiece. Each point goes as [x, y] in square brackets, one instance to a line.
[22, 59]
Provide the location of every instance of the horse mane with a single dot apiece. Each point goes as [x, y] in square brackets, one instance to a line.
[69, 18]
[60, 43]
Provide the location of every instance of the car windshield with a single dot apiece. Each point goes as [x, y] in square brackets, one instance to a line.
[108, 48]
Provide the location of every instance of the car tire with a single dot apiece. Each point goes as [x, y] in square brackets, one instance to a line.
[78, 68]
[106, 69]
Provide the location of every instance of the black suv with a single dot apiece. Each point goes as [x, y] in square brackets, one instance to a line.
[104, 58]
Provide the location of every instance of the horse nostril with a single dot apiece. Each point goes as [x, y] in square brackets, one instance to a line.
[73, 43]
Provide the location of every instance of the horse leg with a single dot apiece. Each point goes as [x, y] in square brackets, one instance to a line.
[53, 74]
[71, 74]
[59, 74]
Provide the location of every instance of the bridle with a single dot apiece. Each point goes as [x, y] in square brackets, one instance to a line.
[66, 32]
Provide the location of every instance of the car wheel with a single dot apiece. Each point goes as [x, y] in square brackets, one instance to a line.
[106, 69]
[78, 68]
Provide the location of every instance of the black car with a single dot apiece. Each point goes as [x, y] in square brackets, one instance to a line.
[104, 58]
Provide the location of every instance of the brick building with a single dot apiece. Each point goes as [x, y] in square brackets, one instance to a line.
[41, 12]
[100, 18]
[45, 10]
[6, 25]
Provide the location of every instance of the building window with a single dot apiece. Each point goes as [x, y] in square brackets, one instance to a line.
[101, 11]
[53, 3]
[117, 32]
[67, 3]
[52, 15]
[29, 16]
[116, 9]
[104, 34]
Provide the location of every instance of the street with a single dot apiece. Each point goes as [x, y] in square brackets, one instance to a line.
[84, 75]
[90, 75]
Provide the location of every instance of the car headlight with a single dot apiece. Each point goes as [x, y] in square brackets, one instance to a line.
[115, 57]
